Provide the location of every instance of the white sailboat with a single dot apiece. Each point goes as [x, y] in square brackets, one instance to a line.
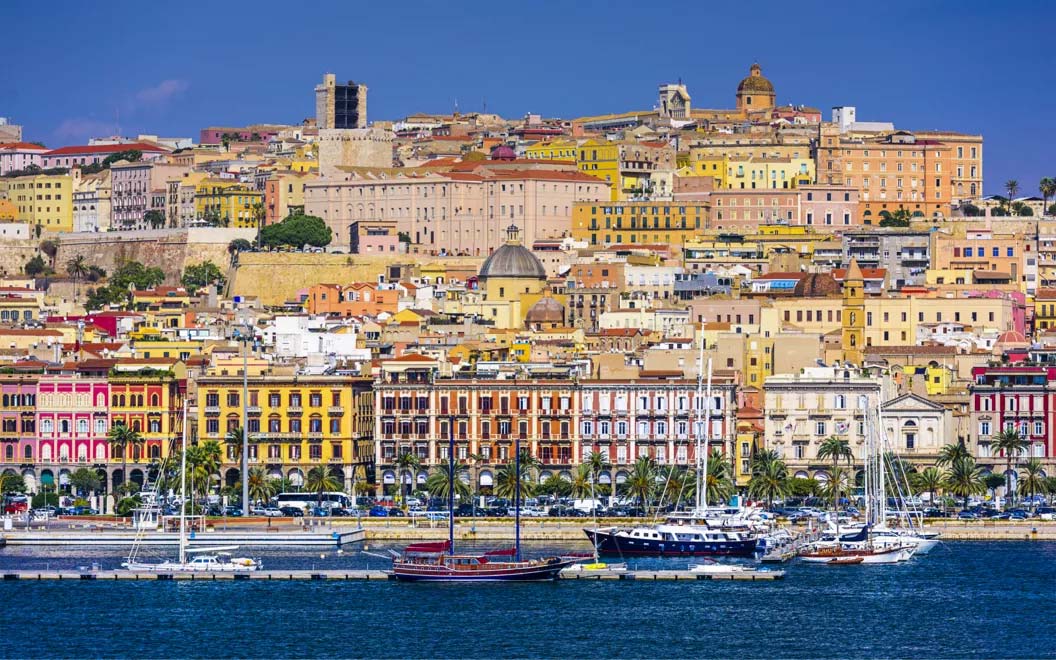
[207, 560]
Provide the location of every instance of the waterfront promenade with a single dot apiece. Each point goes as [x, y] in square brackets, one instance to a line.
[398, 530]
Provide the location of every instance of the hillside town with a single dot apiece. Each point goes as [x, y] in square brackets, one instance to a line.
[351, 298]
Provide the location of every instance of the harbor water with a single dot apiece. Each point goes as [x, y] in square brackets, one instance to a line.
[978, 599]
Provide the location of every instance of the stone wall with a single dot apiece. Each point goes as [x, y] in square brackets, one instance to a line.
[353, 147]
[275, 277]
[169, 249]
[15, 253]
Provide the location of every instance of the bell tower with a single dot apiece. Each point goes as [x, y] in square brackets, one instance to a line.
[853, 314]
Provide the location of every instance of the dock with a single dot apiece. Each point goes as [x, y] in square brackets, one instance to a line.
[361, 575]
[110, 538]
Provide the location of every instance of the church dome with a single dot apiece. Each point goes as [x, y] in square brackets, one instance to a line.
[546, 310]
[503, 152]
[755, 83]
[513, 260]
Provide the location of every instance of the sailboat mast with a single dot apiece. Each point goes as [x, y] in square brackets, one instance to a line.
[183, 485]
[880, 486]
[451, 484]
[698, 430]
[517, 496]
[707, 436]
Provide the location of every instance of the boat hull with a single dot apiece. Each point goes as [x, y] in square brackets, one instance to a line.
[609, 543]
[530, 572]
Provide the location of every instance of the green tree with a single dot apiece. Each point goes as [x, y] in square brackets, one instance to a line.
[199, 276]
[126, 505]
[950, 453]
[438, 483]
[769, 480]
[238, 245]
[1011, 444]
[964, 479]
[85, 481]
[900, 218]
[297, 231]
[35, 266]
[408, 464]
[835, 449]
[801, 487]
[838, 482]
[582, 484]
[154, 218]
[11, 482]
[122, 438]
[929, 480]
[1047, 188]
[319, 481]
[1032, 481]
[78, 269]
[1011, 187]
[50, 248]
[130, 155]
[507, 479]
[641, 483]
[1022, 209]
[992, 482]
[719, 481]
[555, 485]
[260, 486]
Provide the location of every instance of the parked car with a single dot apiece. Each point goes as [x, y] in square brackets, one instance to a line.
[1047, 513]
[396, 512]
[291, 511]
[272, 512]
[967, 515]
[378, 511]
[233, 511]
[1018, 515]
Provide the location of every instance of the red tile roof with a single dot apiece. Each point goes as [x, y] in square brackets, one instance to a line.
[867, 273]
[104, 149]
[12, 146]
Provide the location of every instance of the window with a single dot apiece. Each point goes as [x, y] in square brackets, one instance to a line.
[819, 428]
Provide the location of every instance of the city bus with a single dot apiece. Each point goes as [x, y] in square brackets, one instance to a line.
[311, 500]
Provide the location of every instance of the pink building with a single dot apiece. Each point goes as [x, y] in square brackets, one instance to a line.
[133, 185]
[72, 418]
[89, 154]
[820, 207]
[20, 155]
[456, 212]
[18, 400]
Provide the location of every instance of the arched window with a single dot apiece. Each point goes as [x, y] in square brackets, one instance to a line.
[100, 451]
[46, 426]
[82, 425]
[114, 400]
[45, 453]
[82, 453]
[64, 426]
[155, 451]
[137, 426]
[9, 452]
[27, 452]
[155, 401]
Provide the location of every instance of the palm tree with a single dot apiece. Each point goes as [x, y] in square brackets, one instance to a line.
[122, 438]
[79, 269]
[928, 481]
[439, 481]
[509, 478]
[642, 481]
[409, 463]
[1032, 481]
[719, 484]
[950, 453]
[597, 464]
[835, 449]
[1012, 444]
[769, 478]
[319, 481]
[964, 478]
[555, 485]
[1047, 186]
[838, 481]
[582, 482]
[260, 486]
[1012, 187]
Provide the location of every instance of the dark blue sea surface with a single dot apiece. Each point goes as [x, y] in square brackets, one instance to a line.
[965, 599]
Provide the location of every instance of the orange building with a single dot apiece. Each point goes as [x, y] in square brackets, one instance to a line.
[358, 299]
[924, 172]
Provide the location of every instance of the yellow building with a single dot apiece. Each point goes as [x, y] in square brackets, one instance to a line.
[1044, 309]
[671, 223]
[45, 200]
[735, 172]
[601, 159]
[284, 193]
[560, 150]
[228, 203]
[295, 423]
[146, 396]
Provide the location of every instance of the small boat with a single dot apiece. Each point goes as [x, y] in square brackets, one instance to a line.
[717, 568]
[844, 561]
[220, 562]
[666, 540]
[824, 555]
[598, 567]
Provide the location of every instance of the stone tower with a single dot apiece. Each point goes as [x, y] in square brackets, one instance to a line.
[853, 314]
[755, 93]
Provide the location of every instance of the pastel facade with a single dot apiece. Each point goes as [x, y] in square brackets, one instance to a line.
[44, 201]
[17, 156]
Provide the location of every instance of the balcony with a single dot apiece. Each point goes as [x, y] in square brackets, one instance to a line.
[336, 410]
[212, 410]
[253, 410]
[295, 410]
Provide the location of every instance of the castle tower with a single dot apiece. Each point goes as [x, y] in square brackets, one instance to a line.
[853, 314]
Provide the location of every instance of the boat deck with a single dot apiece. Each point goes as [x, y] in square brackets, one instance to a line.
[369, 575]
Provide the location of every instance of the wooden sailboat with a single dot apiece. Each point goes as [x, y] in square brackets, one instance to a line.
[437, 562]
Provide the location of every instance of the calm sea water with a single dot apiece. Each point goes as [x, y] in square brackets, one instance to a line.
[966, 599]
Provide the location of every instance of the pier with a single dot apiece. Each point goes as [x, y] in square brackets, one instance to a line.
[367, 575]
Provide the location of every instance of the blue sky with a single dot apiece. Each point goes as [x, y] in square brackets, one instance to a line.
[172, 68]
